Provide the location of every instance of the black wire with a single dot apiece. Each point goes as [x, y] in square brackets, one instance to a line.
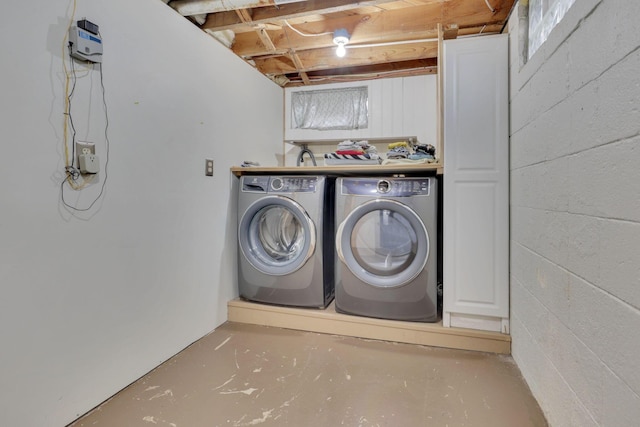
[106, 134]
[69, 97]
[506, 21]
[106, 137]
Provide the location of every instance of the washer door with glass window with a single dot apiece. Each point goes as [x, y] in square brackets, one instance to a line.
[384, 243]
[276, 235]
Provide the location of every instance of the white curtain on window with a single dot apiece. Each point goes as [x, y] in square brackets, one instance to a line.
[330, 109]
[544, 15]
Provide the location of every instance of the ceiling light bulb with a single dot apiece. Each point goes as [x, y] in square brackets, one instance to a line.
[341, 38]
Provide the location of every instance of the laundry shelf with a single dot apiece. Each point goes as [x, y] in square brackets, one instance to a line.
[330, 322]
[382, 140]
[350, 170]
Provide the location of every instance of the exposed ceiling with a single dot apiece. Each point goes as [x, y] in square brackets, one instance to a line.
[291, 41]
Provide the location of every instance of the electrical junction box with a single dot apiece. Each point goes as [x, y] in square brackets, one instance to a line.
[85, 46]
[89, 163]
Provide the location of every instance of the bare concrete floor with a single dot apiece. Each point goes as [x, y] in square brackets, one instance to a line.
[247, 375]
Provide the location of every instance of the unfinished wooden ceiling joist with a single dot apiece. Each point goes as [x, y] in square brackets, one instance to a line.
[291, 41]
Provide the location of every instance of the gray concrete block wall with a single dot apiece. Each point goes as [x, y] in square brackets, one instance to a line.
[575, 215]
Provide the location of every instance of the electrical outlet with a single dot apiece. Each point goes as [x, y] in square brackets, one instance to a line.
[89, 163]
[83, 147]
[208, 167]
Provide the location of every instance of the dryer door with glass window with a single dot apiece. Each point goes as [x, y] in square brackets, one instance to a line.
[384, 243]
[276, 235]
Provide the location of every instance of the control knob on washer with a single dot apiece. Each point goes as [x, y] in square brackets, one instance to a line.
[276, 184]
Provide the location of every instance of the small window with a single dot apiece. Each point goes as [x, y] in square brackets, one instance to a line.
[330, 109]
[544, 15]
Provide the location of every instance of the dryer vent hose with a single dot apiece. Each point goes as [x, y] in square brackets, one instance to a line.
[306, 150]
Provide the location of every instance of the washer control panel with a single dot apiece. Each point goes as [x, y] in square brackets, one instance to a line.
[279, 184]
[389, 187]
[291, 184]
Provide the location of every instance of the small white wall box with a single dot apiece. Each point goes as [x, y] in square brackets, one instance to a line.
[89, 163]
[86, 44]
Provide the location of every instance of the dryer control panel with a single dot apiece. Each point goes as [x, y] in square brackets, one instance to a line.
[390, 187]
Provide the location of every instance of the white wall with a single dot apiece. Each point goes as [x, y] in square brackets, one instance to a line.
[575, 216]
[92, 301]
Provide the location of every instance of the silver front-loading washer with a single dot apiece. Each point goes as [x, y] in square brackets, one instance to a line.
[386, 245]
[284, 224]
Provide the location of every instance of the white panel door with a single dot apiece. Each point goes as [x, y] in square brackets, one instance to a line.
[476, 187]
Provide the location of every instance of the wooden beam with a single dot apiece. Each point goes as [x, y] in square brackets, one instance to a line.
[227, 20]
[339, 78]
[245, 16]
[417, 64]
[368, 72]
[449, 32]
[265, 39]
[198, 7]
[326, 58]
[298, 63]
[330, 322]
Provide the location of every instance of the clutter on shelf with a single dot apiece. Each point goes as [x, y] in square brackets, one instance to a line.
[353, 153]
[249, 163]
[403, 152]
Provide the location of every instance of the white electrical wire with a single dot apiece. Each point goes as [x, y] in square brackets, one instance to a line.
[489, 6]
[355, 46]
[307, 34]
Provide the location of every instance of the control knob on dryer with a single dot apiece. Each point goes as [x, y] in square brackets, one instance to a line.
[384, 186]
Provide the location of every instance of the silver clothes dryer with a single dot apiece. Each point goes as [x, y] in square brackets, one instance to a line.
[386, 245]
[284, 223]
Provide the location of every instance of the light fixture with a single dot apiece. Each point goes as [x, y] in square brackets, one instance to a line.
[341, 38]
